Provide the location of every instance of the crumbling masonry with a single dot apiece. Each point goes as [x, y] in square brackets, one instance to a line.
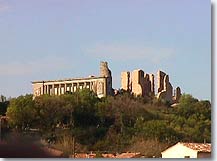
[137, 82]
[101, 85]
[143, 84]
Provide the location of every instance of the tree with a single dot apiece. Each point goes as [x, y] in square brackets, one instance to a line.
[21, 112]
[2, 98]
[3, 107]
[49, 112]
[186, 105]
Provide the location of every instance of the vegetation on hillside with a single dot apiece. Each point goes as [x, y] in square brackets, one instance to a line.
[112, 124]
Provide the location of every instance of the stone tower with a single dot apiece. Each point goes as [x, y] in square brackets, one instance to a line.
[125, 80]
[177, 94]
[151, 76]
[160, 81]
[138, 82]
[106, 72]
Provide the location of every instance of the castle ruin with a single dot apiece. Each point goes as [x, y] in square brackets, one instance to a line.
[136, 82]
[143, 84]
[101, 85]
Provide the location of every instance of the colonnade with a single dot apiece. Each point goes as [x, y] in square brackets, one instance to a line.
[61, 88]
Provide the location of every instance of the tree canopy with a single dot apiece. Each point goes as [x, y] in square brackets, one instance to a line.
[113, 123]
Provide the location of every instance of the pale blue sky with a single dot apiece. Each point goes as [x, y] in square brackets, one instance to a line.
[54, 39]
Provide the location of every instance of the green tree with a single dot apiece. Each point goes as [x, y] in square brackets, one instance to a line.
[49, 112]
[3, 107]
[21, 112]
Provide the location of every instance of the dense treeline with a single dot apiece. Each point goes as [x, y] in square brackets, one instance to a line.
[119, 123]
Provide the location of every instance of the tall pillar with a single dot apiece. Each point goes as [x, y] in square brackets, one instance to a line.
[151, 76]
[160, 80]
[91, 84]
[125, 80]
[45, 89]
[65, 87]
[53, 89]
[48, 92]
[59, 89]
[73, 87]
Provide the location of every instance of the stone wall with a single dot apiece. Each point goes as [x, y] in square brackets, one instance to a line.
[160, 77]
[137, 82]
[167, 92]
[141, 84]
[102, 85]
[125, 80]
[106, 72]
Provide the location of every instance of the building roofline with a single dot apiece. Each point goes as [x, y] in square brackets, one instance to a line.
[67, 79]
[184, 144]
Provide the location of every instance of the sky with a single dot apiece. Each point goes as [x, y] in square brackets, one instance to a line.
[57, 39]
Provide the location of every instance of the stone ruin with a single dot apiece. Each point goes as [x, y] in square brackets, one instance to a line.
[143, 84]
[106, 72]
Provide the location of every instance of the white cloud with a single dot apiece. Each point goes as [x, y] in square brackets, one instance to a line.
[130, 52]
[34, 66]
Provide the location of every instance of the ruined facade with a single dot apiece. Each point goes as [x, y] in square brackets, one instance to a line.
[125, 81]
[143, 84]
[166, 92]
[140, 83]
[101, 85]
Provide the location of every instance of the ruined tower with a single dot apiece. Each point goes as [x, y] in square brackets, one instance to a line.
[165, 89]
[147, 85]
[143, 84]
[106, 72]
[177, 95]
[137, 82]
[125, 80]
[160, 77]
[151, 77]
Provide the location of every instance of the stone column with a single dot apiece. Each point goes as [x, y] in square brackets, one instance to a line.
[46, 89]
[178, 94]
[48, 92]
[77, 87]
[60, 86]
[160, 80]
[72, 88]
[53, 89]
[125, 80]
[151, 76]
[58, 89]
[65, 88]
[91, 84]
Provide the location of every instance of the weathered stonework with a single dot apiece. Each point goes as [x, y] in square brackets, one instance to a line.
[147, 85]
[137, 82]
[125, 80]
[167, 92]
[160, 77]
[141, 83]
[151, 76]
[177, 95]
[102, 85]
[106, 73]
[144, 85]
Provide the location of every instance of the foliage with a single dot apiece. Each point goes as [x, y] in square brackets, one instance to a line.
[21, 112]
[3, 107]
[116, 124]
